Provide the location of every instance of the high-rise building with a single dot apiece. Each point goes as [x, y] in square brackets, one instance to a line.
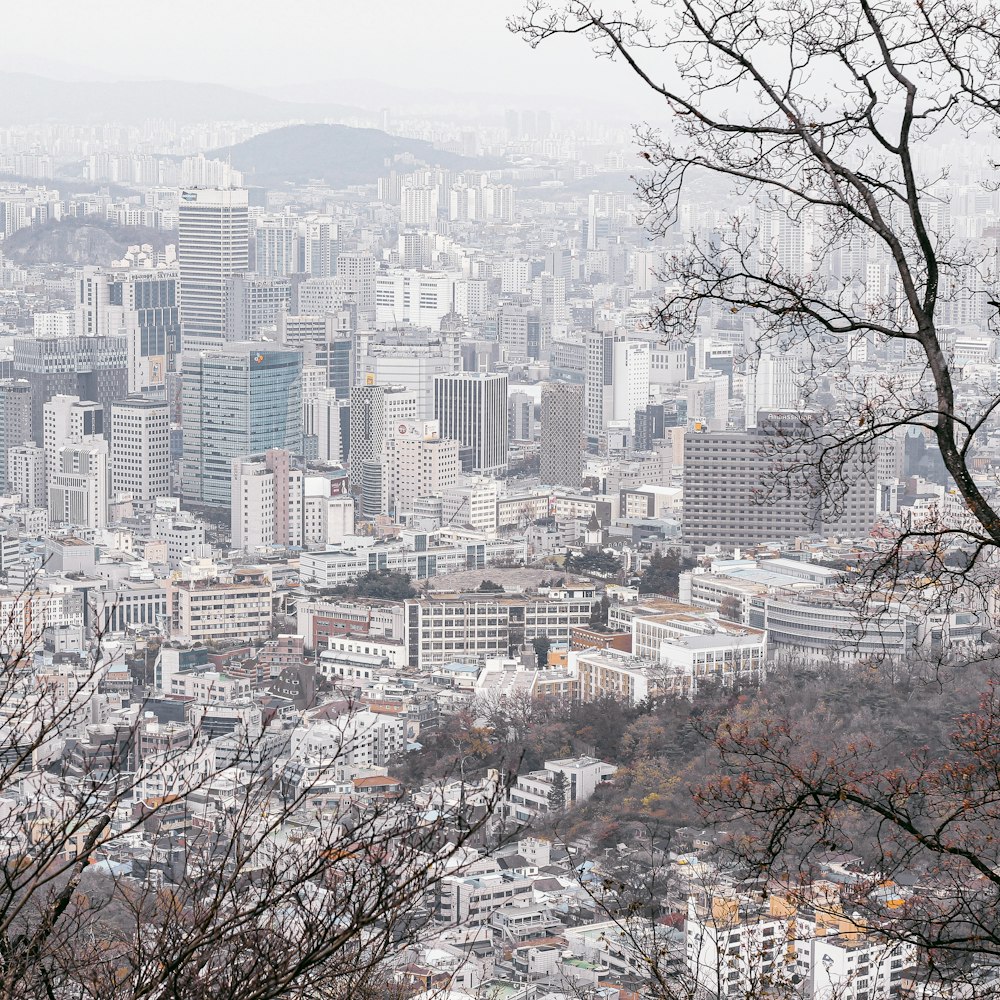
[236, 400]
[327, 426]
[406, 359]
[69, 420]
[78, 491]
[472, 408]
[267, 501]
[276, 246]
[324, 342]
[213, 244]
[732, 493]
[137, 301]
[418, 205]
[562, 435]
[617, 380]
[374, 408]
[522, 331]
[252, 303]
[598, 395]
[88, 367]
[521, 423]
[358, 271]
[15, 419]
[140, 449]
[319, 243]
[770, 384]
[418, 462]
[414, 297]
[26, 474]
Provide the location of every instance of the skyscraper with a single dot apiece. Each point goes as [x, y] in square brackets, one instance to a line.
[69, 420]
[562, 433]
[140, 449]
[213, 244]
[15, 419]
[237, 400]
[374, 409]
[88, 367]
[472, 408]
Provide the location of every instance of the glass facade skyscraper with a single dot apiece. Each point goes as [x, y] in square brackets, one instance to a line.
[237, 400]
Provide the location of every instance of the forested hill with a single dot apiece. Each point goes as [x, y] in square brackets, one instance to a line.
[335, 154]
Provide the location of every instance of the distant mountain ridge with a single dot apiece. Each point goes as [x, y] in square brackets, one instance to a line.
[28, 99]
[335, 154]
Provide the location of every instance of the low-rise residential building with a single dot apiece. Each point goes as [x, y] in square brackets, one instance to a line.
[240, 608]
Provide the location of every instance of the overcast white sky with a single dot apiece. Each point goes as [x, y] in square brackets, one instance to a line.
[460, 45]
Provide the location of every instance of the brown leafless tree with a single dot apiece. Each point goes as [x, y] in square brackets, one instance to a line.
[834, 123]
[138, 861]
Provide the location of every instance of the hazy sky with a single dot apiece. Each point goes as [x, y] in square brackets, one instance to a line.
[459, 45]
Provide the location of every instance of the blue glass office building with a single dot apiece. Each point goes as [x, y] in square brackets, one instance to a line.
[236, 400]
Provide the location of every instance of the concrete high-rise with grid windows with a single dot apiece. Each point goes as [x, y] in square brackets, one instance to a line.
[140, 449]
[471, 407]
[562, 435]
[213, 244]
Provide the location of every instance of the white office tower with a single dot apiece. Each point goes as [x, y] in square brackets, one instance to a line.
[418, 205]
[410, 360]
[253, 305]
[140, 450]
[319, 242]
[472, 408]
[213, 244]
[771, 383]
[78, 490]
[326, 422]
[69, 420]
[26, 474]
[374, 408]
[598, 386]
[358, 271]
[92, 301]
[418, 462]
[630, 379]
[276, 246]
[268, 499]
[414, 297]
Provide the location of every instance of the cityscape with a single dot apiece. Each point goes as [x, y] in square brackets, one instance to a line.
[479, 535]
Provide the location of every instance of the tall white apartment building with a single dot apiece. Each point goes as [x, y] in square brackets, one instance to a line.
[276, 246]
[471, 407]
[213, 244]
[140, 449]
[418, 205]
[267, 502]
